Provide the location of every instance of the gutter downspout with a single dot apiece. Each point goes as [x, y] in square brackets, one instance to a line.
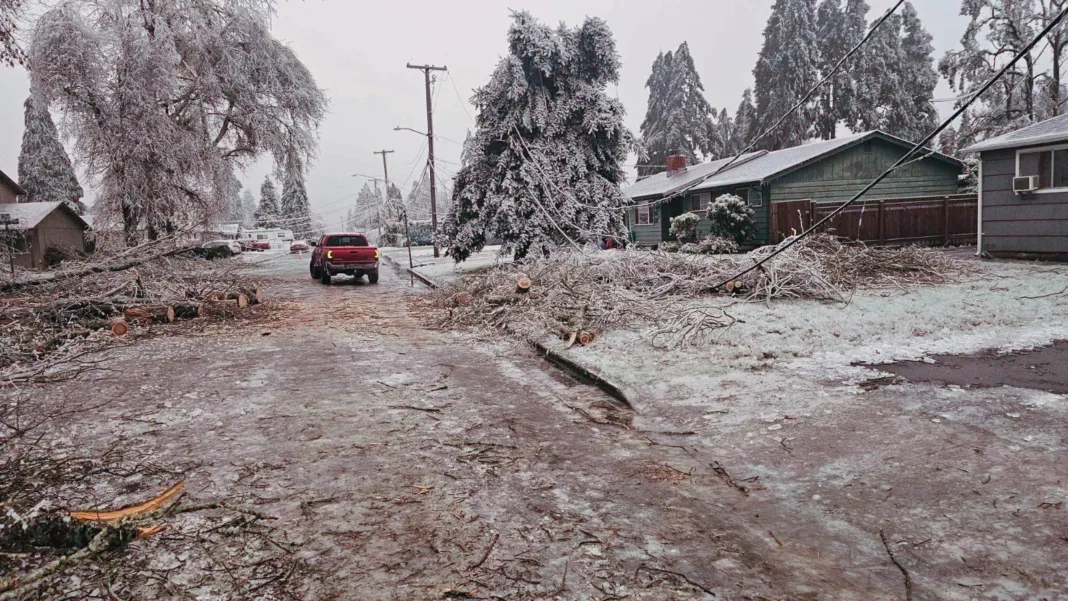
[979, 226]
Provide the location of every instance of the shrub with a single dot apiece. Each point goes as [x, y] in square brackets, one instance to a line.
[717, 245]
[731, 218]
[684, 227]
[422, 233]
[668, 247]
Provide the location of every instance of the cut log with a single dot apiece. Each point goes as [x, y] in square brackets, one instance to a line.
[119, 328]
[188, 310]
[585, 338]
[522, 284]
[729, 286]
[150, 314]
[242, 301]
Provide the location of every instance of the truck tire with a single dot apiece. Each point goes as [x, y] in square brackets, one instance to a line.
[373, 277]
[314, 272]
[325, 277]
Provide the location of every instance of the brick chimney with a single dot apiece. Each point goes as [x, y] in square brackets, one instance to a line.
[675, 164]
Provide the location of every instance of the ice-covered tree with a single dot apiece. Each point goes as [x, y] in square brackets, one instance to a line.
[269, 213]
[678, 118]
[235, 211]
[163, 98]
[838, 31]
[787, 67]
[918, 77]
[45, 170]
[744, 127]
[882, 96]
[547, 156]
[997, 31]
[418, 201]
[248, 208]
[10, 51]
[294, 207]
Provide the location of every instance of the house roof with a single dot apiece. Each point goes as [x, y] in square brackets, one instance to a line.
[1044, 132]
[663, 184]
[30, 214]
[10, 183]
[757, 167]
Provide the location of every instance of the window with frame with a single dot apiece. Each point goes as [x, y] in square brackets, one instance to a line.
[643, 214]
[699, 202]
[755, 197]
[1049, 164]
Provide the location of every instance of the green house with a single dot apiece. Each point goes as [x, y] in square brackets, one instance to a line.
[824, 171]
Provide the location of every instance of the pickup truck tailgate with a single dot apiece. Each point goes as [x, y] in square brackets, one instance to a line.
[352, 254]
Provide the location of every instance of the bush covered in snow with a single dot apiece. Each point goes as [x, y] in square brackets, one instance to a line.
[668, 247]
[684, 227]
[731, 218]
[711, 245]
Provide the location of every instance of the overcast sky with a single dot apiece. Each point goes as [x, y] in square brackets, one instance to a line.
[358, 52]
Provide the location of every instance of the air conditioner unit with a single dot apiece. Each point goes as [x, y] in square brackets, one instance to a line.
[1027, 183]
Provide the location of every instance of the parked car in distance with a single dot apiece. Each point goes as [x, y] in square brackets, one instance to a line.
[218, 249]
[299, 246]
[347, 253]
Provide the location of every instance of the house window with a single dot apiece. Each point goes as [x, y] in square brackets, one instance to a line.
[756, 197]
[642, 214]
[699, 202]
[1049, 164]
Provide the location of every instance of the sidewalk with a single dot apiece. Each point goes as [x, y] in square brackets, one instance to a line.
[444, 269]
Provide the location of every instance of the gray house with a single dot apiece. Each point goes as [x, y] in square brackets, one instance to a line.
[829, 170]
[45, 232]
[10, 191]
[1023, 192]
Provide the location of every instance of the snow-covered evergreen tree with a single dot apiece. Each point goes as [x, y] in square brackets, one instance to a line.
[10, 52]
[832, 37]
[678, 118]
[45, 170]
[162, 99]
[787, 67]
[248, 208]
[919, 79]
[745, 127]
[235, 211]
[854, 86]
[268, 214]
[294, 207]
[883, 97]
[948, 142]
[547, 158]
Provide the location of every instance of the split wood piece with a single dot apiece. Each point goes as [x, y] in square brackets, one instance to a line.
[153, 314]
[242, 301]
[571, 339]
[119, 328]
[151, 505]
[522, 284]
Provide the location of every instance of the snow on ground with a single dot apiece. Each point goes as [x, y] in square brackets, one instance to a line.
[444, 268]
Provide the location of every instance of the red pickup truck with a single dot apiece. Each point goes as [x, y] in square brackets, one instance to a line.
[349, 254]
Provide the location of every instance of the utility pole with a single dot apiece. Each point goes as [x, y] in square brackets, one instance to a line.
[385, 170]
[426, 69]
[5, 218]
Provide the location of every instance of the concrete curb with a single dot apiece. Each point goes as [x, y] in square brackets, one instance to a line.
[582, 372]
[557, 360]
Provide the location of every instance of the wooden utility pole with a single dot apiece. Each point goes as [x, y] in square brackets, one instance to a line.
[385, 170]
[426, 69]
[5, 218]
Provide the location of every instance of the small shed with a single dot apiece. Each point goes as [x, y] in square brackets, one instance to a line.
[45, 230]
[1023, 192]
[823, 171]
[10, 191]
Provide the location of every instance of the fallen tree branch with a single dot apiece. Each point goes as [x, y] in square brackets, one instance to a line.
[904, 572]
[486, 553]
[684, 577]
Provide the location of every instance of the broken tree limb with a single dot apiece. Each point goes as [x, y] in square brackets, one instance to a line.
[152, 504]
[904, 572]
[188, 310]
[150, 314]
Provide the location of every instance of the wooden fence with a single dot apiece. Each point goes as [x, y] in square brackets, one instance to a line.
[932, 220]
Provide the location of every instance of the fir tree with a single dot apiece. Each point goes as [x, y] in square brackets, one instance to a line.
[294, 207]
[678, 118]
[235, 212]
[853, 86]
[547, 157]
[10, 52]
[947, 142]
[248, 208]
[832, 39]
[787, 67]
[45, 170]
[267, 216]
[744, 128]
[882, 100]
[919, 78]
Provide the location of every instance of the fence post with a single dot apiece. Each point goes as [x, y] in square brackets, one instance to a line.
[945, 221]
[882, 221]
[811, 214]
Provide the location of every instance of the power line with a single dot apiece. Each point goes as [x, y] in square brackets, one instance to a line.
[808, 96]
[462, 103]
[919, 146]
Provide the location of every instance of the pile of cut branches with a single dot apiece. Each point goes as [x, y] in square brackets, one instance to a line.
[55, 314]
[685, 298]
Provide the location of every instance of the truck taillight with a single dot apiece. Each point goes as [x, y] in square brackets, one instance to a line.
[329, 254]
[376, 254]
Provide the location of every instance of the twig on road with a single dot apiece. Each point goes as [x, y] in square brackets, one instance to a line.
[684, 577]
[904, 572]
[414, 408]
[725, 475]
[486, 553]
